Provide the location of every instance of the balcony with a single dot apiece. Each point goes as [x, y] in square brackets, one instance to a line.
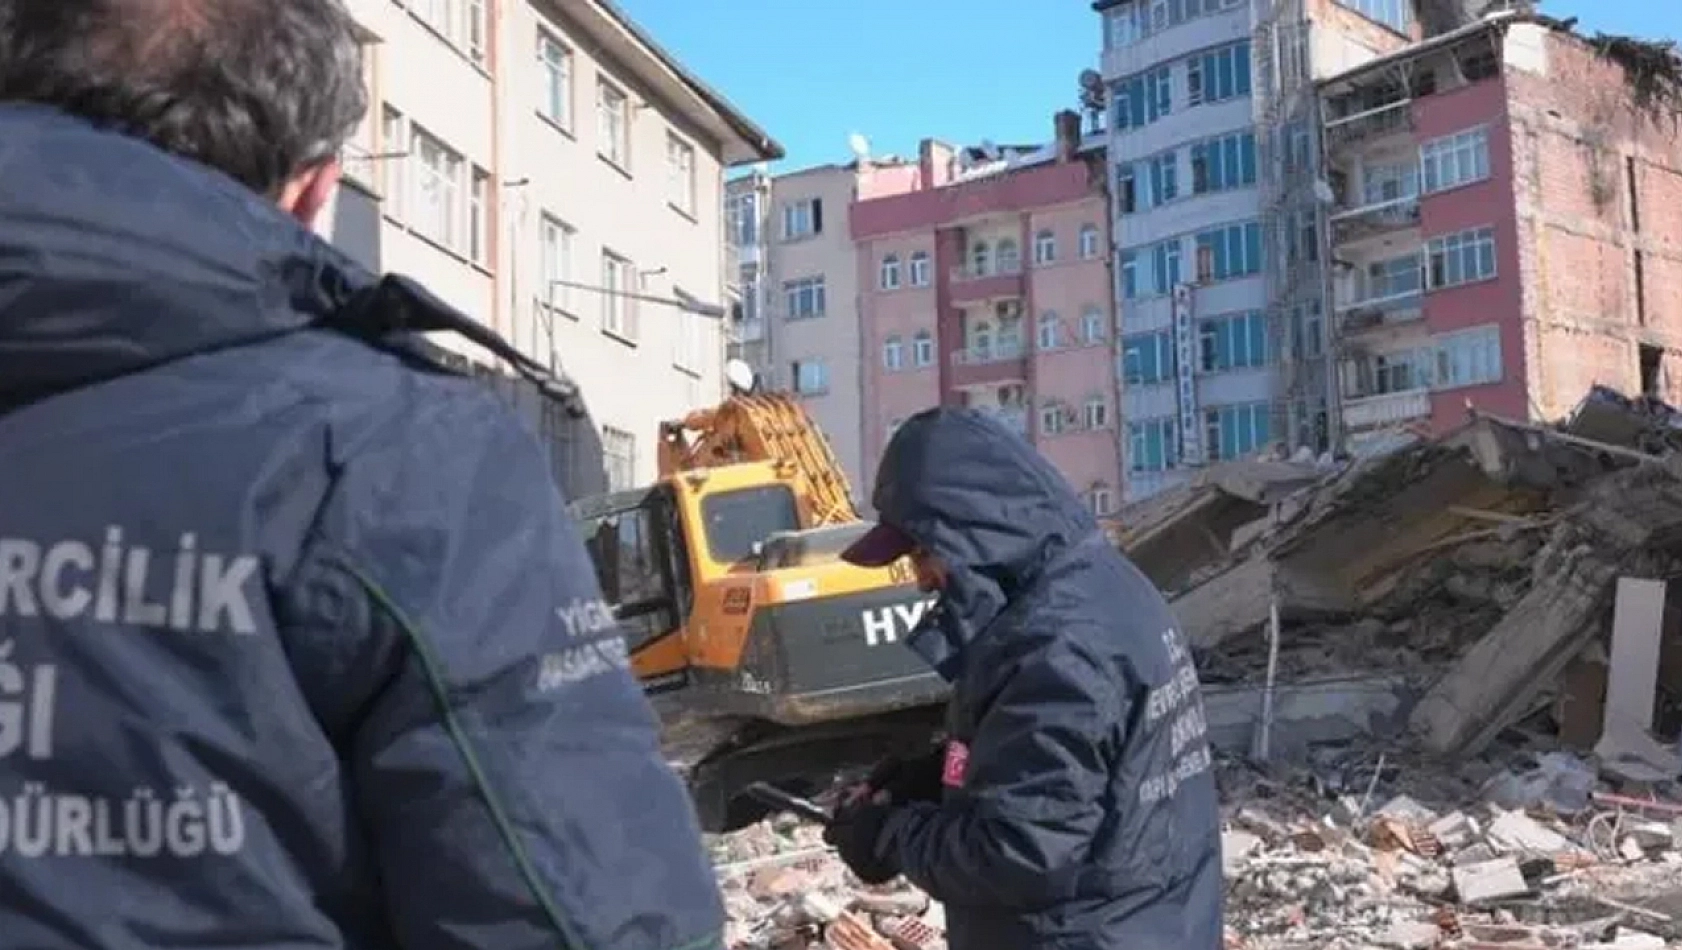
[990, 365]
[1371, 313]
[1001, 280]
[1386, 409]
[1375, 220]
[1369, 126]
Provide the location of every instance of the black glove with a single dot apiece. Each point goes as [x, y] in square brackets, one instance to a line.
[910, 779]
[856, 835]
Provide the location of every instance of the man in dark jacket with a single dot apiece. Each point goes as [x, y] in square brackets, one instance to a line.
[298, 647]
[1078, 806]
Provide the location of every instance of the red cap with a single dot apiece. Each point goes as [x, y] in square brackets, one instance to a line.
[880, 546]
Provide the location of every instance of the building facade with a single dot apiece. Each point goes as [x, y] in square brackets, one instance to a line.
[800, 332]
[542, 166]
[1219, 241]
[983, 281]
[1505, 230]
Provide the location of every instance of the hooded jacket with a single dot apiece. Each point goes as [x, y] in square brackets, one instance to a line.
[297, 646]
[1080, 807]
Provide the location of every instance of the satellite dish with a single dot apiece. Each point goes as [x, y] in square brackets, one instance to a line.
[860, 146]
[1091, 79]
[740, 376]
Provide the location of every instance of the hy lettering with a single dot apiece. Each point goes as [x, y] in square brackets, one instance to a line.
[887, 624]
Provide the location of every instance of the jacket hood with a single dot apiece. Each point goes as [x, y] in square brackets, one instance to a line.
[996, 512]
[115, 256]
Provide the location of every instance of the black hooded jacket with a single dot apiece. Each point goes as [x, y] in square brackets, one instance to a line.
[1080, 807]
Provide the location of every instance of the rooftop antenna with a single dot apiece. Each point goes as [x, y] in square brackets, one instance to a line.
[1092, 94]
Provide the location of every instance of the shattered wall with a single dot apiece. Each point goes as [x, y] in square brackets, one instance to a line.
[1599, 201]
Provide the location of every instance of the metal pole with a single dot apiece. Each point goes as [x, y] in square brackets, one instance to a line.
[1264, 737]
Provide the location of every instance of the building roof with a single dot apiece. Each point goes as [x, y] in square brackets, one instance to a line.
[760, 147]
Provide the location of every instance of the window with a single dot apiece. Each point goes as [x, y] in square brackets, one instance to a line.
[1469, 357]
[1101, 500]
[1143, 99]
[1092, 325]
[1234, 342]
[1129, 23]
[438, 191]
[619, 458]
[1165, 266]
[1050, 330]
[810, 377]
[555, 240]
[479, 217]
[743, 211]
[1394, 277]
[394, 138]
[1395, 14]
[1223, 164]
[980, 259]
[750, 294]
[1389, 182]
[1151, 445]
[1089, 242]
[1097, 413]
[1454, 160]
[919, 269]
[922, 348]
[739, 521]
[554, 66]
[1126, 190]
[804, 298]
[1162, 179]
[680, 174]
[1007, 257]
[1147, 357]
[1219, 75]
[1229, 252]
[478, 48]
[1053, 418]
[1461, 258]
[893, 353]
[802, 218]
[1235, 431]
[1045, 247]
[460, 22]
[613, 124]
[1129, 275]
[890, 272]
[689, 342]
[619, 314]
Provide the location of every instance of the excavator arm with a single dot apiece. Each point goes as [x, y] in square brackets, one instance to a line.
[765, 427]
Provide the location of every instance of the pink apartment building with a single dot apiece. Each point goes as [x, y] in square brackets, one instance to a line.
[1506, 229]
[984, 280]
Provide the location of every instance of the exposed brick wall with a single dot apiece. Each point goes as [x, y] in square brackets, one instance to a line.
[1576, 136]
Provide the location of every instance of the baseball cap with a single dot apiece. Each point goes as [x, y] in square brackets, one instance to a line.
[880, 546]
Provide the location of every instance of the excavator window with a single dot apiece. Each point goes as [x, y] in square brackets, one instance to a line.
[632, 549]
[738, 522]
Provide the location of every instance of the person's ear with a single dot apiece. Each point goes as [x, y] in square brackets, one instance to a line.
[310, 191]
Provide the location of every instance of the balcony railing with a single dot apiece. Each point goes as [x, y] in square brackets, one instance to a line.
[1369, 125]
[1008, 268]
[999, 352]
[1385, 409]
[1375, 219]
[1387, 310]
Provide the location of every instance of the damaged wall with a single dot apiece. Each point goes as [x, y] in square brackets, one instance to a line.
[1599, 200]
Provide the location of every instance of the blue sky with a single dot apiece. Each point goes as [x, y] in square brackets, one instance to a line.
[811, 72]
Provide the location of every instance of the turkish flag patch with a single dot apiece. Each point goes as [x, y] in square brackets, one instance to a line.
[956, 765]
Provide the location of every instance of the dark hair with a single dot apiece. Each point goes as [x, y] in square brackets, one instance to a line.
[257, 89]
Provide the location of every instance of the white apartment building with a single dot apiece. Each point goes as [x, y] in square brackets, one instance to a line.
[799, 275]
[1219, 237]
[534, 162]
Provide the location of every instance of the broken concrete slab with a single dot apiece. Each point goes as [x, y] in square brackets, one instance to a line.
[1524, 652]
[1637, 635]
[1489, 881]
[1230, 603]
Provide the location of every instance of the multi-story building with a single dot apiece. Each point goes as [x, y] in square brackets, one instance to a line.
[983, 281]
[1504, 228]
[550, 170]
[798, 270]
[1218, 240]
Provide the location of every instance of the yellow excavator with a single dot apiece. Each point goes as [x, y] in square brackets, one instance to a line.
[768, 658]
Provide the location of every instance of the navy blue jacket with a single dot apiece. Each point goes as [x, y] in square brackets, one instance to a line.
[298, 648]
[1080, 807]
